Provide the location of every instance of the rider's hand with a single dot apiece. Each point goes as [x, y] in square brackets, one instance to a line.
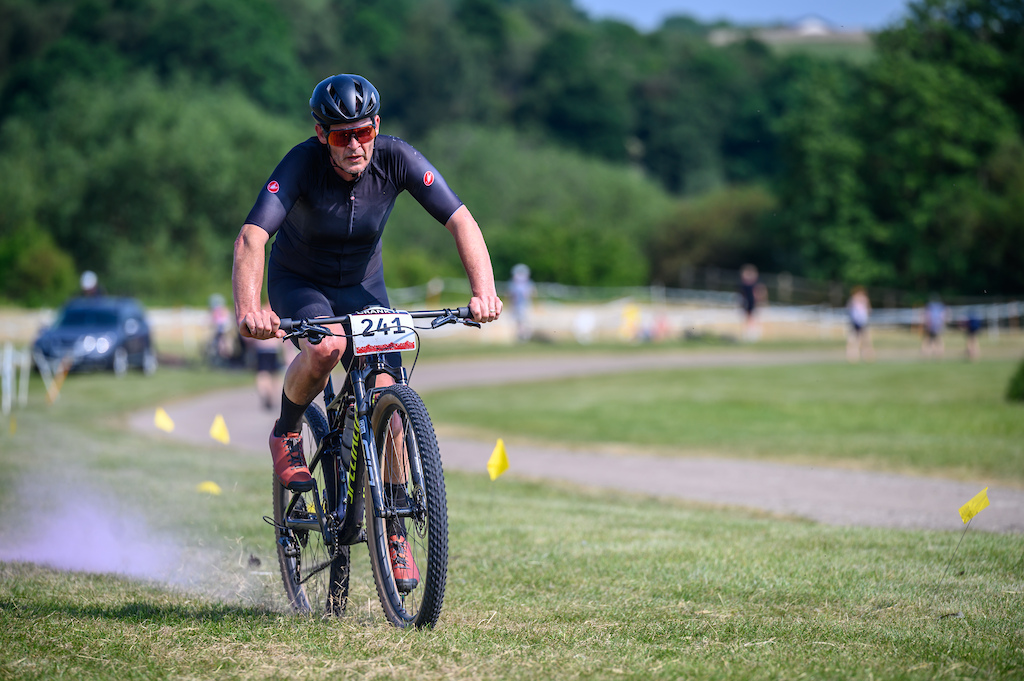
[260, 324]
[485, 308]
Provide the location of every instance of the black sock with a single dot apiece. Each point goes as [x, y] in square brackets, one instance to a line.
[291, 415]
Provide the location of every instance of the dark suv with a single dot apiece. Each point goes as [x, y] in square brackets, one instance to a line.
[98, 333]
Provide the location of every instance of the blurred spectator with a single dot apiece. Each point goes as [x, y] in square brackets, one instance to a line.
[225, 347]
[935, 317]
[584, 326]
[90, 284]
[972, 325]
[522, 291]
[858, 341]
[753, 294]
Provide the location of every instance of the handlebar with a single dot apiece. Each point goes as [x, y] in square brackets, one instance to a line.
[441, 317]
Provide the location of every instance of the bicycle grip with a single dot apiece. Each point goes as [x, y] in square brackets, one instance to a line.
[463, 313]
[287, 324]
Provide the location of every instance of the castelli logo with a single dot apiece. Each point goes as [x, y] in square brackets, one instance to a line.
[273, 187]
[428, 178]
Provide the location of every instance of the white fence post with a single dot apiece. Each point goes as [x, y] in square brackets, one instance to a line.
[11, 362]
[7, 378]
[26, 373]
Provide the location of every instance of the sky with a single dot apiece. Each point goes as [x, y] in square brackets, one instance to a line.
[647, 15]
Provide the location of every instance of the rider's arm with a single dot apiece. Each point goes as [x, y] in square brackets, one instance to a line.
[247, 284]
[485, 304]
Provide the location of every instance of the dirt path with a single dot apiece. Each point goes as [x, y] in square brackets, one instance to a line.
[829, 495]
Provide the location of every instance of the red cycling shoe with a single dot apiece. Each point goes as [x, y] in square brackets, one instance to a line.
[407, 575]
[289, 463]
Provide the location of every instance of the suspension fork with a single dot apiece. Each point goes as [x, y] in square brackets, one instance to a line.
[367, 438]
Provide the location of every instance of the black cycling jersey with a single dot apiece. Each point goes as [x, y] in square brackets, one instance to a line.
[329, 230]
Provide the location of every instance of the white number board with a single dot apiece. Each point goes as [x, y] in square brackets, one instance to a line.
[383, 331]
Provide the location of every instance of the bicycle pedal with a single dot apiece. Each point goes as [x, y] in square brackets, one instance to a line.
[361, 537]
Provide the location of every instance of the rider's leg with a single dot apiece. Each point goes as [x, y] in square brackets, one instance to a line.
[309, 370]
[306, 378]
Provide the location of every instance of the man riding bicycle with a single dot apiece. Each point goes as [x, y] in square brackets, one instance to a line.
[328, 201]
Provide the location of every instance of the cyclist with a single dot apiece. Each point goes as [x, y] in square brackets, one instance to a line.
[327, 202]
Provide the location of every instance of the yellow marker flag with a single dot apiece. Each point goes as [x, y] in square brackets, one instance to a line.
[219, 430]
[163, 421]
[209, 487]
[972, 507]
[498, 463]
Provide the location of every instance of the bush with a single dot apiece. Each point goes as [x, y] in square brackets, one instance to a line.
[724, 228]
[34, 270]
[1015, 391]
[573, 220]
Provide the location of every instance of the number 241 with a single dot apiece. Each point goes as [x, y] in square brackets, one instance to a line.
[383, 326]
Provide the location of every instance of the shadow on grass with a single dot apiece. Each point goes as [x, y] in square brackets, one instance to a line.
[139, 611]
[38, 591]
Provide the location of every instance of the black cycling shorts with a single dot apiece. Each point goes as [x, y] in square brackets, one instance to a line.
[297, 298]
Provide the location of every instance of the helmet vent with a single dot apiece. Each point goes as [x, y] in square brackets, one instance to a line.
[343, 98]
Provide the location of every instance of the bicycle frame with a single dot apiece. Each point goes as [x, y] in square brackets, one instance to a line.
[343, 525]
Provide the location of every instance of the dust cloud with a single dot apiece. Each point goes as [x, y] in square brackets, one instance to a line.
[89, 533]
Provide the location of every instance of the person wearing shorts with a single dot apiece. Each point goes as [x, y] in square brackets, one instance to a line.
[858, 341]
[327, 203]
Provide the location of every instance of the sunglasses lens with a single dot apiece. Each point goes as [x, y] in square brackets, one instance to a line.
[364, 135]
[341, 138]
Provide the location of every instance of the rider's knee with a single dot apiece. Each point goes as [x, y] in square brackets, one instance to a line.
[324, 356]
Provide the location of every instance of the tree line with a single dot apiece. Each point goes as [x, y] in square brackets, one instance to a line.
[134, 135]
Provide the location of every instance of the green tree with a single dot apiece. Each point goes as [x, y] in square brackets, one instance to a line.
[245, 43]
[983, 39]
[701, 115]
[580, 104]
[156, 185]
[825, 228]
[33, 269]
[928, 131]
[724, 228]
[573, 220]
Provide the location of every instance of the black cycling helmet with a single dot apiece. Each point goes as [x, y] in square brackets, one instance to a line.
[344, 98]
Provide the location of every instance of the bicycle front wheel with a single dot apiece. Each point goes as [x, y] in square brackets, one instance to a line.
[315, 573]
[408, 553]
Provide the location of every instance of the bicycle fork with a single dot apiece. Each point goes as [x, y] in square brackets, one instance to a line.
[375, 476]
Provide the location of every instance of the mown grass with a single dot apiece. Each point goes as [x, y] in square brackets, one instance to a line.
[947, 418]
[540, 588]
[544, 581]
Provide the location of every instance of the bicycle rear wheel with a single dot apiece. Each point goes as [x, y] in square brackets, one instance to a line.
[410, 461]
[315, 574]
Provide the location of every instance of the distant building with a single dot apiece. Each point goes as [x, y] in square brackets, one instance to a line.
[809, 29]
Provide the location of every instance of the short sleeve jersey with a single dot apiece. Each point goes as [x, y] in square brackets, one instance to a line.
[328, 229]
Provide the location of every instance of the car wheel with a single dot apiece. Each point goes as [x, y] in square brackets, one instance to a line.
[149, 362]
[120, 364]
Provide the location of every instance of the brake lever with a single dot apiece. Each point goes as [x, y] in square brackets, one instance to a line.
[441, 321]
[312, 332]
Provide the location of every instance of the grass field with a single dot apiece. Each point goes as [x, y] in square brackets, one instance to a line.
[545, 580]
[946, 418]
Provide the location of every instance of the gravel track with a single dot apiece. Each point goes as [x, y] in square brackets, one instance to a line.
[834, 496]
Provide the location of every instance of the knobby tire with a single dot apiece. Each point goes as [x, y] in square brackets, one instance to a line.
[427, 531]
[314, 580]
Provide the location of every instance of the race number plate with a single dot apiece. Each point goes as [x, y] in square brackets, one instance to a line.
[382, 331]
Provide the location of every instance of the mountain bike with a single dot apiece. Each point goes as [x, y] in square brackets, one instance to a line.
[373, 456]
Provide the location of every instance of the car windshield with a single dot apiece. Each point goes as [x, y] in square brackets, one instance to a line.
[87, 317]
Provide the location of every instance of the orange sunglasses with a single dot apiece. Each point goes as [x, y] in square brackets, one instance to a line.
[341, 138]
